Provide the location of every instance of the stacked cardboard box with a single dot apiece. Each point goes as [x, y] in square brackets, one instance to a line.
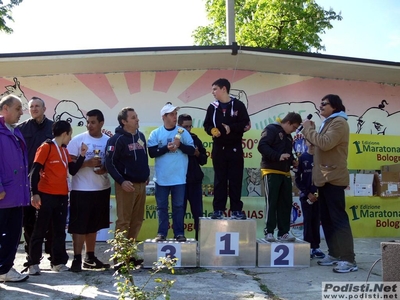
[390, 181]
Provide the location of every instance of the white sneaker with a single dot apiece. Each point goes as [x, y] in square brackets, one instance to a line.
[13, 276]
[287, 237]
[345, 267]
[269, 237]
[34, 270]
[328, 261]
[60, 268]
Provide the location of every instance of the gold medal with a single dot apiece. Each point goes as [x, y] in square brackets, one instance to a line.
[215, 132]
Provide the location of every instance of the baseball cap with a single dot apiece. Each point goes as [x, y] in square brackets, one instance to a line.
[168, 108]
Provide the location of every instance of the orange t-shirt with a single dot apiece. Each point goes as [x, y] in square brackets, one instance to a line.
[53, 177]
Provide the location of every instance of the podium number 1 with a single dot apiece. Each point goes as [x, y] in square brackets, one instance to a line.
[282, 255]
[227, 244]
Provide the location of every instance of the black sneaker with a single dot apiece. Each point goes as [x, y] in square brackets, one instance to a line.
[160, 238]
[118, 266]
[136, 261]
[180, 238]
[95, 264]
[217, 215]
[238, 215]
[76, 265]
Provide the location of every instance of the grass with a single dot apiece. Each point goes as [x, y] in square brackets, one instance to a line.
[262, 286]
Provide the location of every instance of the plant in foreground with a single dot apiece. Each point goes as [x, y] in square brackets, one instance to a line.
[125, 252]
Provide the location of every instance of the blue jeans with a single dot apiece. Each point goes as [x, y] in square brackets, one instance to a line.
[178, 213]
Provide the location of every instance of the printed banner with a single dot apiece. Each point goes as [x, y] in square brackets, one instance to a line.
[370, 152]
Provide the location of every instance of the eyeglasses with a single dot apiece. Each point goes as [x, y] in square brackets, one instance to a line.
[325, 103]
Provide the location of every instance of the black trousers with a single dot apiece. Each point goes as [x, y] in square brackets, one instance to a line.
[335, 222]
[228, 166]
[54, 208]
[10, 234]
[194, 195]
[28, 223]
[311, 221]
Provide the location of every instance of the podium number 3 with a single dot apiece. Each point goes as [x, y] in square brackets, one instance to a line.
[171, 250]
[227, 244]
[282, 255]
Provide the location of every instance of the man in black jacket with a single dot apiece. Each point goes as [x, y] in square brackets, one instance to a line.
[226, 121]
[35, 130]
[275, 147]
[194, 176]
[127, 163]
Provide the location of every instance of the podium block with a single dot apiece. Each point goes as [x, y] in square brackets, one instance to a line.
[185, 252]
[281, 255]
[227, 243]
[390, 260]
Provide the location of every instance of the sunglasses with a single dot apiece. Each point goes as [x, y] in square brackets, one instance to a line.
[325, 103]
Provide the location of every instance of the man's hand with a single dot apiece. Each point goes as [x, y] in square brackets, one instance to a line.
[312, 197]
[36, 201]
[92, 162]
[227, 128]
[177, 142]
[295, 163]
[2, 195]
[196, 152]
[101, 170]
[284, 156]
[308, 124]
[172, 147]
[84, 149]
[127, 186]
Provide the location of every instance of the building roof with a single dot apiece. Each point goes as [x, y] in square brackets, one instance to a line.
[198, 58]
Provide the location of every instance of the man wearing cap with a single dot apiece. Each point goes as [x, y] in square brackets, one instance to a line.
[127, 163]
[170, 145]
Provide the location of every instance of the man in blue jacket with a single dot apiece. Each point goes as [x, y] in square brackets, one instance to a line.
[14, 186]
[127, 163]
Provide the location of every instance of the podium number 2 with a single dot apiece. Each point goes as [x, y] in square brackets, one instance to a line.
[227, 244]
[282, 255]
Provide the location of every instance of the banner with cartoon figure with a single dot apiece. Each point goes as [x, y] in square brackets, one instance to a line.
[373, 111]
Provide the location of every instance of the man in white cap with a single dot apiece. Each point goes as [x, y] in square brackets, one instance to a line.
[170, 145]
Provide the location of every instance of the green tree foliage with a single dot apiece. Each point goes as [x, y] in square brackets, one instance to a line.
[5, 14]
[279, 24]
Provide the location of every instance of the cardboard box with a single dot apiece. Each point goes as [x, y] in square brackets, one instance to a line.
[391, 168]
[363, 185]
[389, 185]
[390, 176]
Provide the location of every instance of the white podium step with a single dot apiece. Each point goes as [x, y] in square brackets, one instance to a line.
[228, 243]
[185, 252]
[281, 255]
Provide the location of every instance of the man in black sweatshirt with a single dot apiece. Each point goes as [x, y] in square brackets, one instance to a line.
[194, 176]
[226, 120]
[36, 130]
